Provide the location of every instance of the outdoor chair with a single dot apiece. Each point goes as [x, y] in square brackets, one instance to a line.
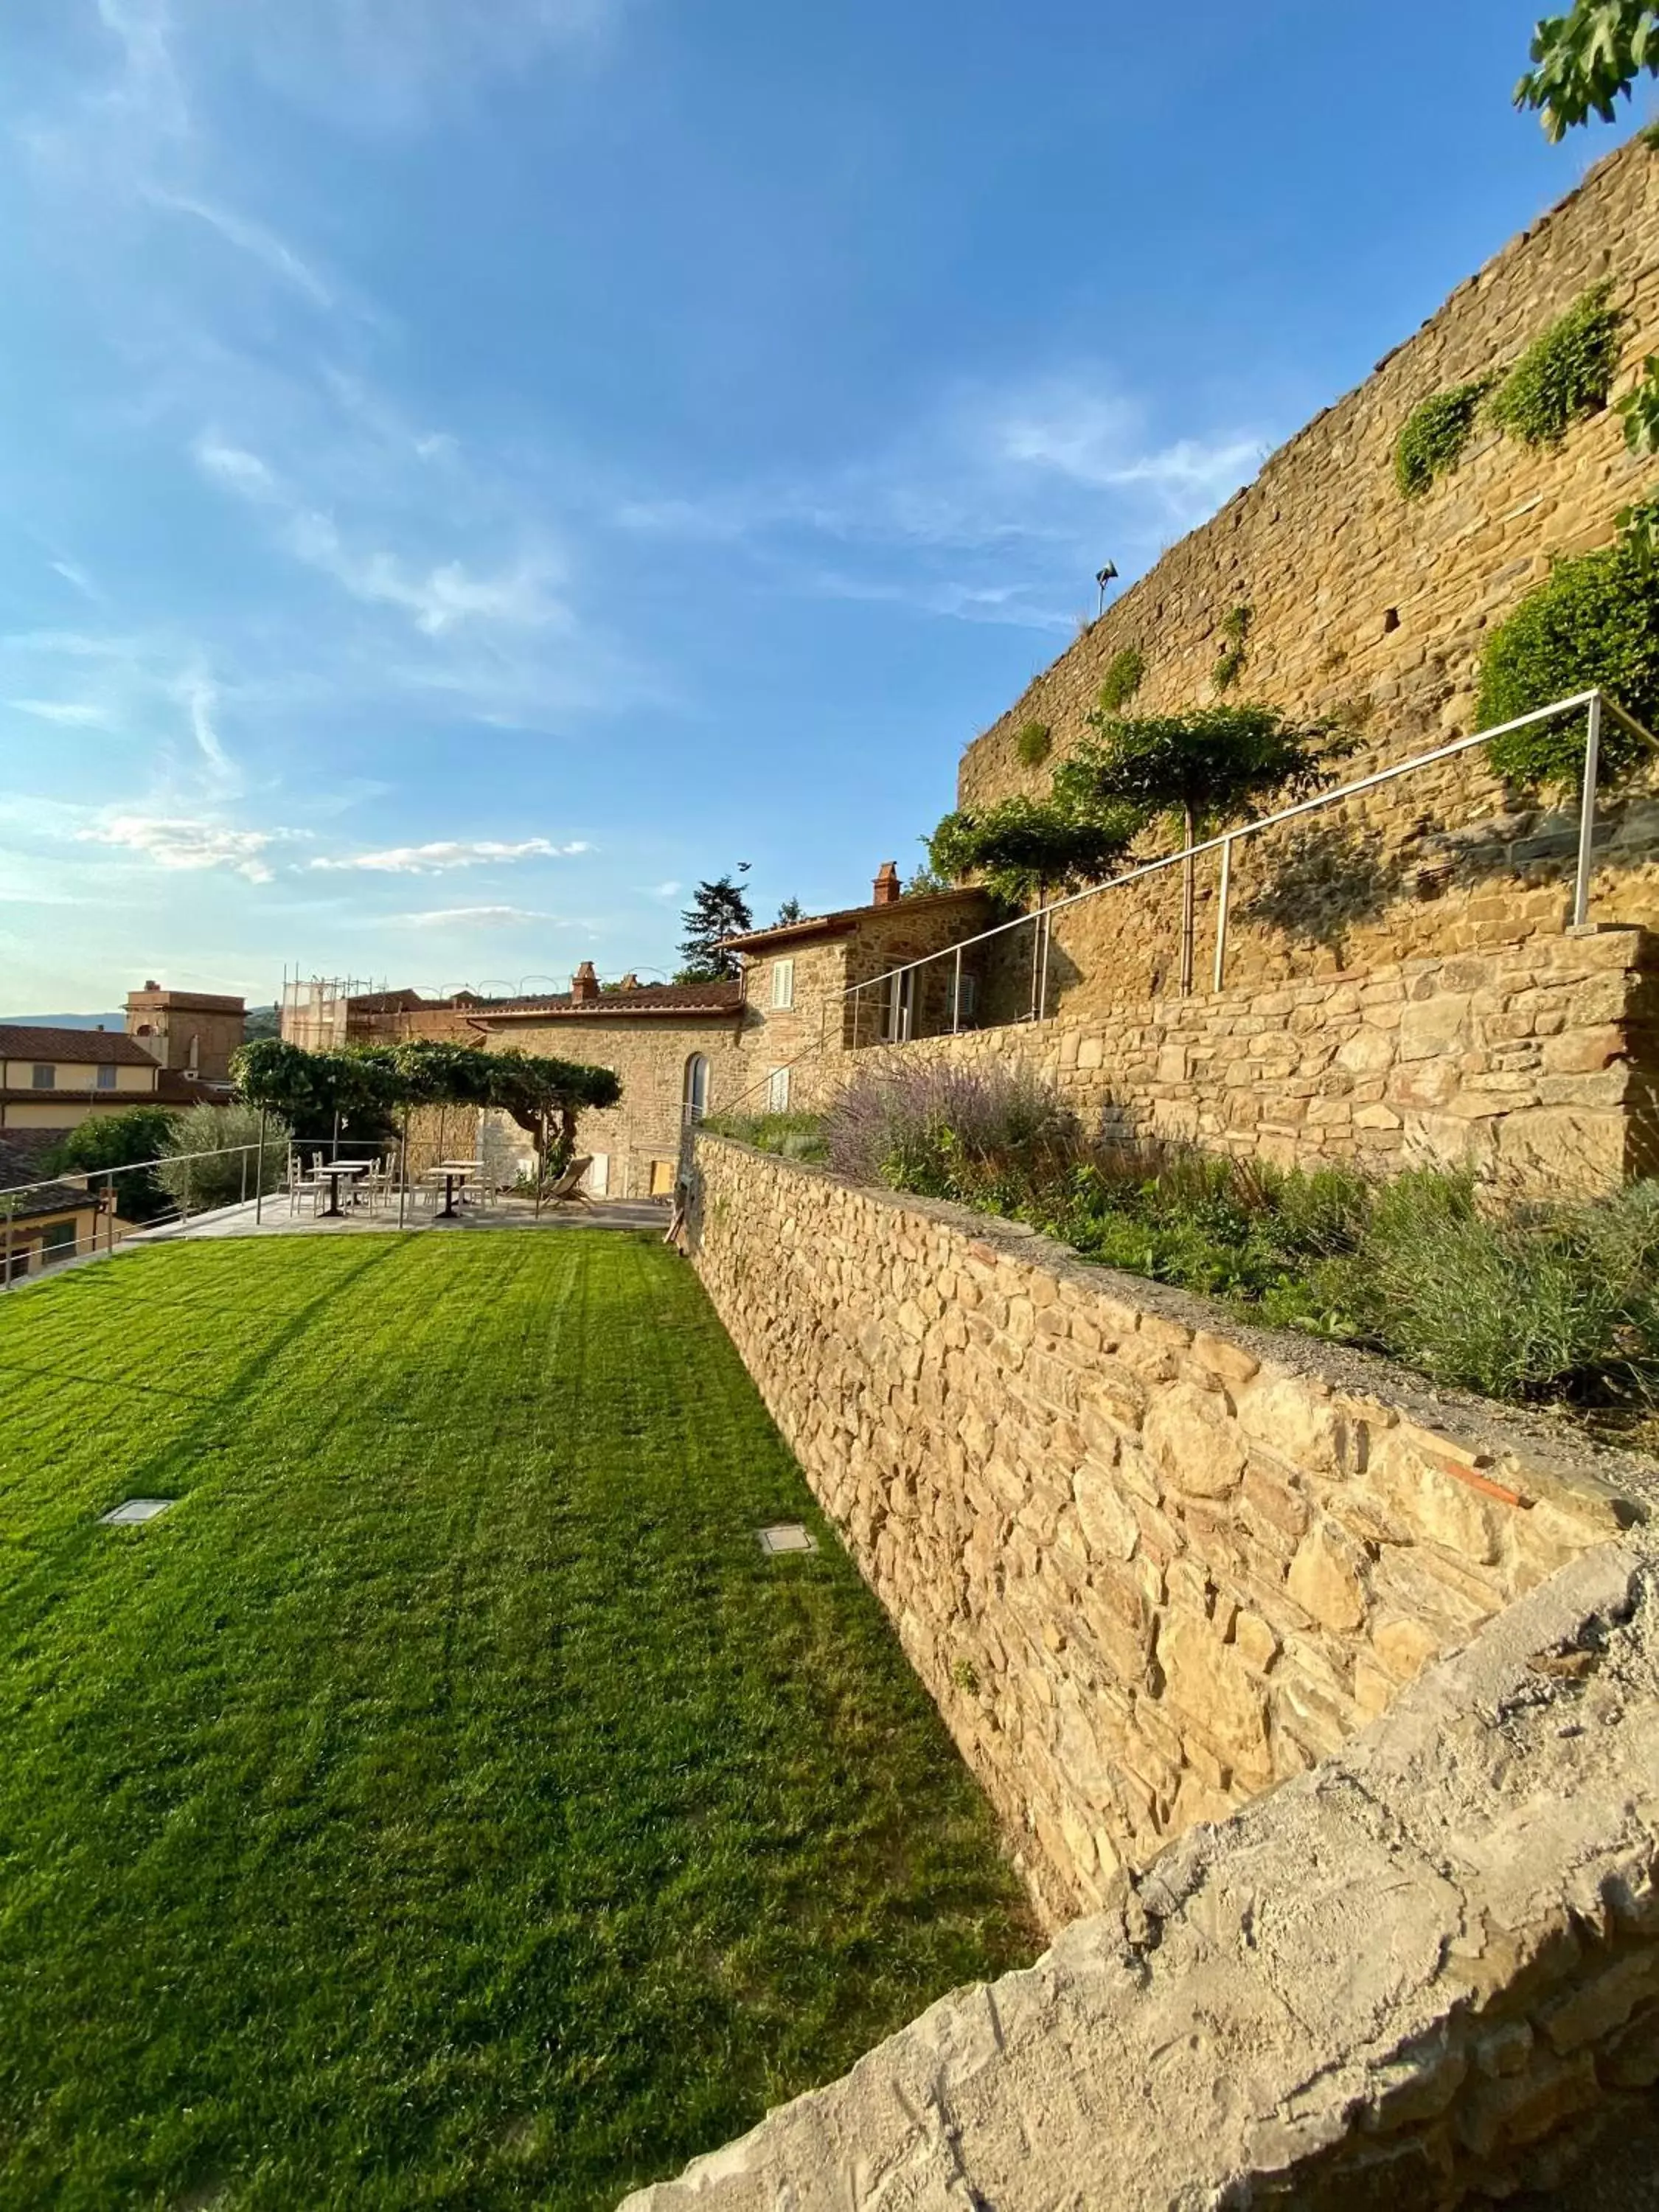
[567, 1191]
[302, 1186]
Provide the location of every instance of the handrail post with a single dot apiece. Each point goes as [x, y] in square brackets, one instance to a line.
[1042, 980]
[1586, 813]
[955, 997]
[1222, 897]
[260, 1175]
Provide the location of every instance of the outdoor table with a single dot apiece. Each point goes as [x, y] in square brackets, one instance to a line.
[334, 1169]
[452, 1171]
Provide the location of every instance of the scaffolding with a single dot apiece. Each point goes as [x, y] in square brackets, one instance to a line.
[323, 1013]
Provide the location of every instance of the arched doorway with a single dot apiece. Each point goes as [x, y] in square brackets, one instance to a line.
[696, 1090]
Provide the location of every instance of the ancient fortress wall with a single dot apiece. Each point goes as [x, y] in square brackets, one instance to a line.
[1371, 610]
[1146, 1563]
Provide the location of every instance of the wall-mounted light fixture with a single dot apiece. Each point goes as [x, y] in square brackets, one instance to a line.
[1102, 577]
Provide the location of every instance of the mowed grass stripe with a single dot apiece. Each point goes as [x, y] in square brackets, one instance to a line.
[446, 1803]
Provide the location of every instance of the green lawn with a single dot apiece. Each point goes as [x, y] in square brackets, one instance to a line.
[446, 1803]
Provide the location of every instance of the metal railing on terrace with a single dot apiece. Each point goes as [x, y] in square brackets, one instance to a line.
[29, 1248]
[945, 992]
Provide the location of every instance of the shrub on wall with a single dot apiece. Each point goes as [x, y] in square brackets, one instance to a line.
[1034, 744]
[935, 1128]
[1562, 376]
[1124, 671]
[1230, 665]
[1433, 435]
[1594, 620]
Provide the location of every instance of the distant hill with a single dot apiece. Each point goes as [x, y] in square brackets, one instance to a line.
[116, 1021]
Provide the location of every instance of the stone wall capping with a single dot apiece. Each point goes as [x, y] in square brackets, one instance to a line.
[1439, 1948]
[1533, 1451]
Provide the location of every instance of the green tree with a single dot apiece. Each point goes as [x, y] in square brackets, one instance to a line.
[1586, 61]
[790, 910]
[118, 1140]
[1025, 848]
[1198, 771]
[718, 910]
[230, 1172]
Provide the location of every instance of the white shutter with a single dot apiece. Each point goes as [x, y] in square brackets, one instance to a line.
[783, 983]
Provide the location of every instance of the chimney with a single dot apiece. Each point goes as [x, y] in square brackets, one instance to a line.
[887, 884]
[630, 981]
[583, 984]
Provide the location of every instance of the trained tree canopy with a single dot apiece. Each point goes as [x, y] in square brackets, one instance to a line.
[1584, 62]
[1201, 770]
[544, 1096]
[1023, 848]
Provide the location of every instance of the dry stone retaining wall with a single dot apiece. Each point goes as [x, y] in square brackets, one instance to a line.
[1423, 1974]
[1536, 1062]
[1147, 1564]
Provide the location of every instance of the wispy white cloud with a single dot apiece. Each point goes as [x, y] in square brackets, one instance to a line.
[475, 917]
[70, 713]
[73, 573]
[444, 853]
[200, 697]
[177, 842]
[996, 507]
[671, 888]
[247, 237]
[447, 595]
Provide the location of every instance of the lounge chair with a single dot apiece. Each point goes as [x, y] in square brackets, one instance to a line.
[567, 1191]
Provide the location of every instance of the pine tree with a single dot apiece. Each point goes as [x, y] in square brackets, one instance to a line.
[719, 909]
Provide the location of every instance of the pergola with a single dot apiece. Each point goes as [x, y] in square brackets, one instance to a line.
[382, 1083]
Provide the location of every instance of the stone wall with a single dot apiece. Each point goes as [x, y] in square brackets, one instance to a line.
[1536, 1062]
[1422, 1975]
[1371, 610]
[1147, 1563]
[649, 1053]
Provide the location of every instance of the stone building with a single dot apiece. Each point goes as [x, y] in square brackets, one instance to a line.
[187, 1032]
[52, 1079]
[831, 982]
[678, 1048]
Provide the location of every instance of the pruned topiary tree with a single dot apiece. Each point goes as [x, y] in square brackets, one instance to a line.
[1199, 770]
[1023, 848]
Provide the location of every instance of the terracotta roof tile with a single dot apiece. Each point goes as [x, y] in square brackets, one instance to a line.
[20, 1042]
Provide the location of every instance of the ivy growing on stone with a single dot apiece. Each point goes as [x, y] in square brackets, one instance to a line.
[1034, 744]
[1593, 621]
[1564, 375]
[1433, 435]
[1124, 671]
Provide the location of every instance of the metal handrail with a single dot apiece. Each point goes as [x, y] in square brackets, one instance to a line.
[1597, 702]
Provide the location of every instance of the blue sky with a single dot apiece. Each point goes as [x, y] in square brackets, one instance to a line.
[472, 469]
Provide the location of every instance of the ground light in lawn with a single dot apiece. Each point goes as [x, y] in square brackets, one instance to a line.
[787, 1536]
[134, 1510]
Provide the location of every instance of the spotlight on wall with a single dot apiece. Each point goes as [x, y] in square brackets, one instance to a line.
[1102, 577]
